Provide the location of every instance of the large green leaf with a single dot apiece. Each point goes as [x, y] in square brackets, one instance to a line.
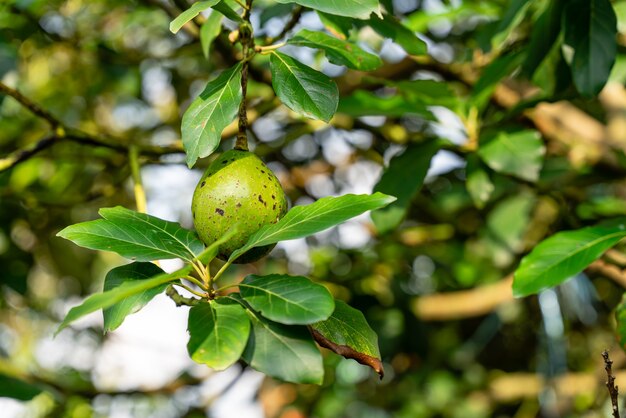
[403, 178]
[135, 235]
[565, 254]
[210, 29]
[302, 221]
[518, 153]
[287, 299]
[337, 51]
[365, 103]
[114, 316]
[545, 32]
[302, 89]
[392, 28]
[360, 9]
[348, 334]
[11, 387]
[208, 115]
[218, 332]
[284, 352]
[590, 28]
[111, 297]
[190, 13]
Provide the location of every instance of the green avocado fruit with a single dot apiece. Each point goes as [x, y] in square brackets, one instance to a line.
[237, 188]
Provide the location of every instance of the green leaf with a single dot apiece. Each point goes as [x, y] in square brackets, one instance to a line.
[210, 29]
[111, 297]
[403, 178]
[302, 89]
[429, 92]
[302, 221]
[360, 9]
[392, 28]
[210, 113]
[513, 16]
[365, 103]
[284, 352]
[337, 51]
[115, 315]
[478, 183]
[227, 10]
[211, 251]
[517, 153]
[499, 68]
[620, 317]
[274, 10]
[218, 333]
[509, 220]
[287, 299]
[11, 387]
[590, 29]
[564, 255]
[135, 235]
[545, 32]
[348, 334]
[339, 26]
[190, 13]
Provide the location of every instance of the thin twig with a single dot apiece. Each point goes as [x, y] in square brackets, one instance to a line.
[610, 383]
[247, 42]
[296, 14]
[30, 105]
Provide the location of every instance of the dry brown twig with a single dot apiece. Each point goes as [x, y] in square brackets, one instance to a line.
[610, 383]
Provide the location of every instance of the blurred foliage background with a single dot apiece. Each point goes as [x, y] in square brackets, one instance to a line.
[436, 287]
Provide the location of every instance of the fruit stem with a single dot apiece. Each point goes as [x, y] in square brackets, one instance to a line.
[247, 42]
[189, 289]
[196, 282]
[221, 270]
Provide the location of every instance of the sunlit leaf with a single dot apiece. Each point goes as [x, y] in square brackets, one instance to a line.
[287, 299]
[190, 14]
[360, 9]
[564, 255]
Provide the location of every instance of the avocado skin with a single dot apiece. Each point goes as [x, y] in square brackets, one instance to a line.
[237, 188]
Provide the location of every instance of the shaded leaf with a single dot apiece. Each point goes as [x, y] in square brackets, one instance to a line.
[287, 299]
[403, 178]
[218, 333]
[109, 298]
[284, 352]
[392, 28]
[590, 29]
[478, 183]
[365, 103]
[302, 221]
[11, 387]
[190, 14]
[134, 235]
[348, 334]
[208, 115]
[517, 153]
[564, 255]
[337, 51]
[339, 26]
[302, 89]
[545, 32]
[115, 315]
[210, 29]
[360, 9]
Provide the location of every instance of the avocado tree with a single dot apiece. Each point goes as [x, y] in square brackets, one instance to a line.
[484, 137]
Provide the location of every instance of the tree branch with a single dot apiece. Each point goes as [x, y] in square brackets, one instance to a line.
[296, 13]
[610, 383]
[30, 105]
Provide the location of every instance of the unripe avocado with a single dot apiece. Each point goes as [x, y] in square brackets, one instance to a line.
[237, 188]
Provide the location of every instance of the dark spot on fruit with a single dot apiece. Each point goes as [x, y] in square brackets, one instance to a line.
[273, 197]
[193, 215]
[239, 204]
[274, 206]
[261, 200]
[263, 171]
[220, 211]
[224, 162]
[203, 183]
[265, 186]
